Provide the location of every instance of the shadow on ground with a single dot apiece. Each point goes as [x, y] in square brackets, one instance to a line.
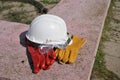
[37, 4]
[23, 43]
[22, 11]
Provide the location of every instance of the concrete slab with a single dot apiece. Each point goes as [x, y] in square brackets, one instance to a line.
[113, 64]
[84, 18]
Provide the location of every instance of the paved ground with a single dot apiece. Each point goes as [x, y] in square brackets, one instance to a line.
[83, 18]
[112, 46]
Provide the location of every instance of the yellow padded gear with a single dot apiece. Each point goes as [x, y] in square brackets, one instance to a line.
[70, 53]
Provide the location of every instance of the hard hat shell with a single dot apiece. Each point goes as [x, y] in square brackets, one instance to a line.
[47, 29]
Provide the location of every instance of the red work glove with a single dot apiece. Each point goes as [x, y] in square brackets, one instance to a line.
[50, 57]
[41, 58]
[37, 58]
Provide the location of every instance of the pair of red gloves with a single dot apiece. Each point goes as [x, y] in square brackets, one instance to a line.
[41, 60]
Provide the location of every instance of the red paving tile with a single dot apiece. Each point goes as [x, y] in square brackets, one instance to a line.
[84, 18]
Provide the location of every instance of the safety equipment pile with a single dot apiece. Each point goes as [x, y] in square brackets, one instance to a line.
[48, 40]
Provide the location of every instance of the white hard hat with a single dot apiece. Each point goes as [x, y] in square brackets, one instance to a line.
[47, 29]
